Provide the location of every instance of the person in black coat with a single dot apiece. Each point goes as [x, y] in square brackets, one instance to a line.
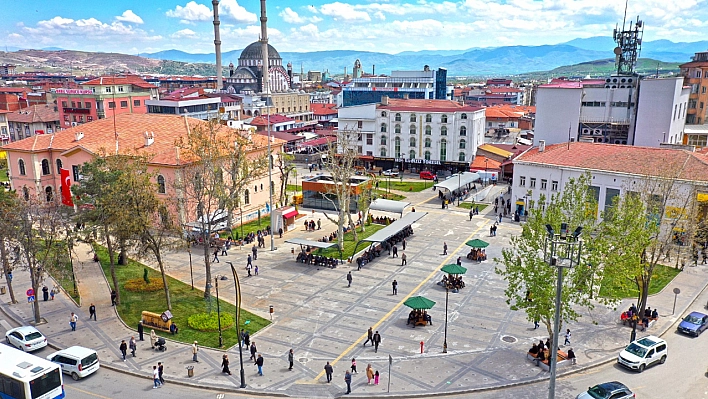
[123, 349]
[140, 330]
[45, 293]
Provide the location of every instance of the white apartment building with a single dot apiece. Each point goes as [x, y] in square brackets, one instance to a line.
[615, 110]
[416, 134]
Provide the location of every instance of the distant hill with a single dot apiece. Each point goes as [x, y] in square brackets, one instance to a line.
[602, 68]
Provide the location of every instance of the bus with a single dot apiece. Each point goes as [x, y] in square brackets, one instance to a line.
[26, 376]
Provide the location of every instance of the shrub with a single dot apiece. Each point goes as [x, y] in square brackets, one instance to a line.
[208, 321]
[139, 285]
[146, 278]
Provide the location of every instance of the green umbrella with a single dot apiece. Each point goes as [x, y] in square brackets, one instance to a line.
[454, 269]
[477, 243]
[419, 302]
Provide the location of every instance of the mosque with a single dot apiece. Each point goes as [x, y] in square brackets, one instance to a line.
[247, 78]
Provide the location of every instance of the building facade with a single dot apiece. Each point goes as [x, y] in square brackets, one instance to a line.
[425, 84]
[695, 74]
[247, 77]
[27, 122]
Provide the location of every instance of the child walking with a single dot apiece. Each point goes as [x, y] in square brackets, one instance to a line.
[376, 378]
[354, 366]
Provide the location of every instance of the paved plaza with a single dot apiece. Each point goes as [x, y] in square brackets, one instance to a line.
[323, 320]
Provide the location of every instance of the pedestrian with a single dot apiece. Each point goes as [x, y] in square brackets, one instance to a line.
[155, 378]
[123, 348]
[348, 381]
[459, 261]
[404, 244]
[72, 321]
[403, 259]
[394, 284]
[571, 356]
[253, 351]
[354, 366]
[225, 364]
[369, 336]
[291, 358]
[567, 337]
[133, 346]
[259, 363]
[195, 351]
[280, 232]
[223, 251]
[395, 251]
[349, 279]
[369, 374]
[329, 370]
[413, 209]
[319, 224]
[376, 378]
[247, 340]
[45, 293]
[52, 292]
[248, 269]
[92, 312]
[114, 296]
[500, 218]
[444, 248]
[160, 371]
[255, 270]
[255, 252]
[140, 330]
[242, 337]
[491, 231]
[377, 341]
[153, 338]
[535, 323]
[249, 261]
[216, 256]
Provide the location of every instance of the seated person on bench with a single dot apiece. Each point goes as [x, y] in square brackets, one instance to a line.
[427, 318]
[411, 317]
[541, 357]
[654, 314]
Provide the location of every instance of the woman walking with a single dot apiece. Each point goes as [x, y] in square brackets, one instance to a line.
[225, 365]
[369, 374]
[153, 338]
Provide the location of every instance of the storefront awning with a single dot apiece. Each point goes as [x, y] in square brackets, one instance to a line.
[455, 182]
[290, 214]
[385, 205]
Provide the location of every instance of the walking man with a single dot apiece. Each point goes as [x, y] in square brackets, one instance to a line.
[160, 371]
[403, 259]
[72, 321]
[328, 371]
[248, 269]
[444, 248]
[92, 312]
[255, 252]
[348, 380]
[195, 350]
[259, 363]
[404, 244]
[123, 349]
[114, 296]
[140, 330]
[253, 351]
[216, 256]
[377, 341]
[395, 251]
[349, 279]
[155, 378]
[249, 260]
[395, 287]
[369, 336]
[291, 357]
[567, 337]
[133, 346]
[223, 251]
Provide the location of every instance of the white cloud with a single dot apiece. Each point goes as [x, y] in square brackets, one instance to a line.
[344, 12]
[129, 16]
[235, 12]
[292, 17]
[191, 12]
[229, 10]
[184, 33]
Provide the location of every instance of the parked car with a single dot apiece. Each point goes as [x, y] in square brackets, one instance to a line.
[26, 338]
[643, 353]
[391, 172]
[427, 175]
[76, 361]
[694, 324]
[607, 390]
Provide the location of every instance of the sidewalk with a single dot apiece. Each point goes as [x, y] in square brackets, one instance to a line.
[320, 318]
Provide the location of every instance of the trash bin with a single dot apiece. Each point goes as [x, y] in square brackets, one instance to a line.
[2, 290]
[190, 371]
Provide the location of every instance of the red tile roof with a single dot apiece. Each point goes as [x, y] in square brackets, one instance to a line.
[399, 104]
[627, 159]
[481, 163]
[263, 120]
[187, 92]
[35, 113]
[323, 109]
[119, 80]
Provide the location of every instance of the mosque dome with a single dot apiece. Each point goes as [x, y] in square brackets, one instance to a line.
[254, 51]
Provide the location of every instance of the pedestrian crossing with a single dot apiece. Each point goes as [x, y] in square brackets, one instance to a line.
[5, 325]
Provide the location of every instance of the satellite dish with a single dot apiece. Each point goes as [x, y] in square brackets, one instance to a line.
[617, 50]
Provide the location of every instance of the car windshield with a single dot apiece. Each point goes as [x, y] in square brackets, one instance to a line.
[597, 392]
[692, 319]
[89, 360]
[636, 350]
[33, 336]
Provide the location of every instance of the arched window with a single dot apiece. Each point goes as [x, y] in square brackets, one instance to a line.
[412, 142]
[463, 116]
[397, 129]
[463, 131]
[461, 157]
[428, 130]
[463, 143]
[382, 152]
[412, 117]
[398, 117]
[383, 140]
[412, 129]
[428, 118]
[383, 128]
[21, 166]
[443, 130]
[412, 154]
[383, 113]
[246, 197]
[45, 167]
[443, 150]
[59, 165]
[427, 143]
[161, 184]
[427, 155]
[25, 193]
[397, 147]
[49, 194]
[261, 186]
[443, 118]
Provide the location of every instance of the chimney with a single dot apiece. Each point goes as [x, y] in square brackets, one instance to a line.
[78, 136]
[541, 145]
[149, 138]
[217, 44]
[384, 100]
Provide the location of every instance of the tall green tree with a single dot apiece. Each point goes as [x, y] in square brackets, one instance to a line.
[9, 210]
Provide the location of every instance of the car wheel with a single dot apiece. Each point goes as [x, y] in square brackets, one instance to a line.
[641, 368]
[663, 360]
[75, 376]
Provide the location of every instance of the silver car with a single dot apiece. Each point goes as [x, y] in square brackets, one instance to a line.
[25, 338]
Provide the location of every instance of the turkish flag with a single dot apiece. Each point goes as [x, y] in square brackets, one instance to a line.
[66, 188]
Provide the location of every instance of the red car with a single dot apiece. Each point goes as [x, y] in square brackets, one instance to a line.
[427, 175]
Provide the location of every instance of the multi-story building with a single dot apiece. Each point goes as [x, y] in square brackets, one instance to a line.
[494, 95]
[4, 128]
[695, 74]
[415, 134]
[37, 119]
[104, 97]
[294, 104]
[616, 110]
[193, 102]
[324, 113]
[425, 84]
[7, 69]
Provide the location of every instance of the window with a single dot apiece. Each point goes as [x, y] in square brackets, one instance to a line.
[383, 114]
[443, 131]
[554, 185]
[89, 118]
[255, 188]
[461, 157]
[532, 183]
[120, 89]
[443, 118]
[427, 155]
[124, 104]
[136, 103]
[358, 137]
[64, 104]
[398, 118]
[544, 184]
[21, 166]
[161, 184]
[111, 104]
[428, 130]
[108, 89]
[522, 181]
[463, 143]
[412, 154]
[397, 129]
[246, 197]
[412, 117]
[383, 128]
[58, 166]
[428, 118]
[359, 124]
[397, 147]
[382, 152]
[45, 167]
[428, 143]
[73, 104]
[49, 194]
[369, 139]
[463, 131]
[66, 118]
[75, 172]
[383, 140]
[412, 142]
[463, 116]
[25, 193]
[443, 150]
[412, 129]
[87, 105]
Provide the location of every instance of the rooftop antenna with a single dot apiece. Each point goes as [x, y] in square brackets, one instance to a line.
[629, 44]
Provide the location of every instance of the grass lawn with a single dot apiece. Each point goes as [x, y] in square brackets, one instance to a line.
[185, 302]
[349, 243]
[470, 205]
[379, 193]
[250, 227]
[62, 271]
[396, 184]
[293, 188]
[3, 175]
[662, 276]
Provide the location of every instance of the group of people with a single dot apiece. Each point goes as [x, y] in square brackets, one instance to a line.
[633, 316]
[493, 229]
[309, 258]
[417, 315]
[452, 282]
[310, 225]
[390, 245]
[541, 352]
[384, 220]
[477, 254]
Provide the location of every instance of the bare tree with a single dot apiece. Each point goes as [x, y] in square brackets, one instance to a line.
[9, 211]
[286, 168]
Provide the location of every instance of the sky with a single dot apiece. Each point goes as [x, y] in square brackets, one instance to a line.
[390, 26]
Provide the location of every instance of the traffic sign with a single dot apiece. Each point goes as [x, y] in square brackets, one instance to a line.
[30, 299]
[30, 292]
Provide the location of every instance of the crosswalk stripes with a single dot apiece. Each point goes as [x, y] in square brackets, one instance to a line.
[5, 325]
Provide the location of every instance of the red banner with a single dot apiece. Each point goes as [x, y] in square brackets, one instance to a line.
[66, 188]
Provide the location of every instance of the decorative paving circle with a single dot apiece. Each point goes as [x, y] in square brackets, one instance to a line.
[509, 339]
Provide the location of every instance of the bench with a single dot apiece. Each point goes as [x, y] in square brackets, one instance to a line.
[562, 360]
[156, 321]
[627, 322]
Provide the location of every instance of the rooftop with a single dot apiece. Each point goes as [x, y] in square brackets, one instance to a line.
[399, 104]
[264, 120]
[119, 80]
[323, 109]
[36, 113]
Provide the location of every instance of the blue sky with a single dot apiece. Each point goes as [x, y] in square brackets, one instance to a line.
[392, 26]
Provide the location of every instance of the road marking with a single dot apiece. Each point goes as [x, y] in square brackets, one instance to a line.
[86, 392]
[5, 325]
[400, 303]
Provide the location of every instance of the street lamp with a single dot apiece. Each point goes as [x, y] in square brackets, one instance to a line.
[459, 188]
[191, 272]
[561, 251]
[218, 308]
[447, 294]
[486, 160]
[237, 286]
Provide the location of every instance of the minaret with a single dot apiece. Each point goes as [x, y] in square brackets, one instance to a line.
[217, 45]
[264, 43]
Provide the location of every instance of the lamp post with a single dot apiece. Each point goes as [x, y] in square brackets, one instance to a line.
[218, 308]
[237, 286]
[486, 160]
[459, 188]
[447, 293]
[560, 251]
[191, 272]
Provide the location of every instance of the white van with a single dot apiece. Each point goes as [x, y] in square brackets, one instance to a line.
[76, 361]
[643, 353]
